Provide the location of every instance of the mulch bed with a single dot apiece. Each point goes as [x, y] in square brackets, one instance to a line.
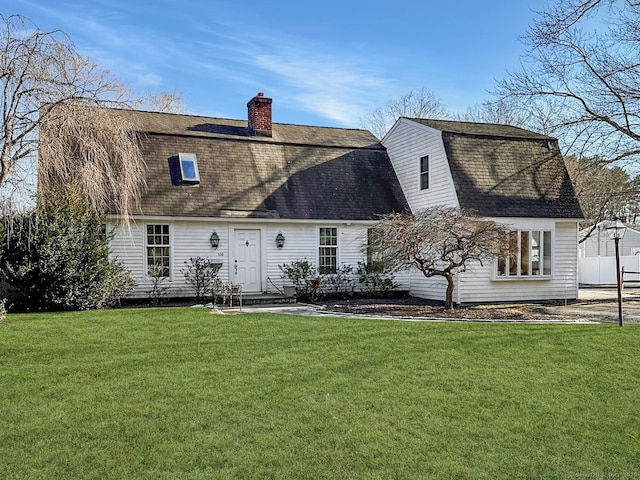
[417, 307]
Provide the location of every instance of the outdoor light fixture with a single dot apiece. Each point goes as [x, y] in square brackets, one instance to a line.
[280, 240]
[214, 239]
[616, 231]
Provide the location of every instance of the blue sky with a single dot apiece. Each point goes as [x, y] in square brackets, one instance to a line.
[323, 63]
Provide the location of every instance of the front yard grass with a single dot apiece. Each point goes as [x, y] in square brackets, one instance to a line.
[182, 394]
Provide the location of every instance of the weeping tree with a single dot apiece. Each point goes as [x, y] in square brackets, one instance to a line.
[55, 100]
[94, 149]
[440, 241]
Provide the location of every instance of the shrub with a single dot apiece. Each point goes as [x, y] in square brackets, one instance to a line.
[158, 289]
[57, 256]
[375, 280]
[117, 284]
[305, 278]
[339, 283]
[200, 274]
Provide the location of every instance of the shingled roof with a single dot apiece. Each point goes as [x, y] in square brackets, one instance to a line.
[299, 172]
[505, 171]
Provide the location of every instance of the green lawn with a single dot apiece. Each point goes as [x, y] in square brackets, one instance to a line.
[182, 394]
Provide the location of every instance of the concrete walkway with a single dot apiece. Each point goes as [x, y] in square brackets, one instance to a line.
[595, 305]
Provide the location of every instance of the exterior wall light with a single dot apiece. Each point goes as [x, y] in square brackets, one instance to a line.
[214, 239]
[280, 240]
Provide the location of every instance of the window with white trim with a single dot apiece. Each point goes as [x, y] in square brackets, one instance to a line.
[328, 250]
[424, 172]
[158, 250]
[529, 255]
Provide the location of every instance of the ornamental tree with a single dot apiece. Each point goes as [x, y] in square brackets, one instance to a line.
[440, 241]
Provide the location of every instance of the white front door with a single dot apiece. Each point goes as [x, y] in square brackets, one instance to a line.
[247, 260]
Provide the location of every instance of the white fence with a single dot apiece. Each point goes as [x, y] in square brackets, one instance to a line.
[602, 270]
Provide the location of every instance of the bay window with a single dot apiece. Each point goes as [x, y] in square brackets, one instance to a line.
[529, 255]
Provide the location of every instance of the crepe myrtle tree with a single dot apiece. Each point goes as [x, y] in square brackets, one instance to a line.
[440, 241]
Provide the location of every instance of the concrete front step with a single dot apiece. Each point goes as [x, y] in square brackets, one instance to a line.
[265, 298]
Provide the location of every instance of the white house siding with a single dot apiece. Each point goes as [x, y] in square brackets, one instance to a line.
[300, 243]
[127, 247]
[479, 284]
[190, 238]
[187, 239]
[432, 288]
[406, 143]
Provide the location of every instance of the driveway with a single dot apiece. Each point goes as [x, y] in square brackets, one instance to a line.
[601, 304]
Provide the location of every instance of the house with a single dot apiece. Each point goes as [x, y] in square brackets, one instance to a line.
[596, 264]
[252, 195]
[510, 175]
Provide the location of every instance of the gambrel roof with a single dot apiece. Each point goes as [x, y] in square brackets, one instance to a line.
[299, 172]
[506, 171]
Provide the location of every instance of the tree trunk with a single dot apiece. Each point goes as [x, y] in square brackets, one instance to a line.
[448, 303]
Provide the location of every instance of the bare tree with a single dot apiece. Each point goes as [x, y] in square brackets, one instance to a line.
[54, 99]
[584, 57]
[168, 102]
[414, 104]
[440, 241]
[603, 191]
[540, 116]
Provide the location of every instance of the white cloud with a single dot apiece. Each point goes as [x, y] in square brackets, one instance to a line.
[81, 25]
[309, 78]
[328, 86]
[321, 78]
[149, 79]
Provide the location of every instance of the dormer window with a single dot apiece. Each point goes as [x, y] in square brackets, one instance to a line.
[188, 168]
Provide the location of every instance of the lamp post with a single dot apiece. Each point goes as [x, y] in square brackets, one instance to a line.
[616, 231]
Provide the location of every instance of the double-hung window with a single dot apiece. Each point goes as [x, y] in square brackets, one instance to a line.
[328, 250]
[529, 255]
[424, 172]
[158, 251]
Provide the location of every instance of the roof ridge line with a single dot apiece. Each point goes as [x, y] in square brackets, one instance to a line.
[267, 141]
[237, 119]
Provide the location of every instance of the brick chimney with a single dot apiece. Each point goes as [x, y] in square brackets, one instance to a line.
[259, 108]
